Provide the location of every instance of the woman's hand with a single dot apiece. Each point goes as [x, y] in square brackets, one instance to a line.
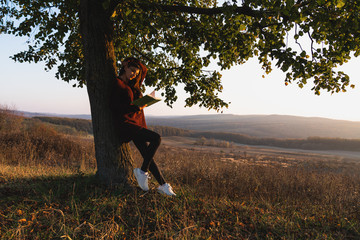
[142, 107]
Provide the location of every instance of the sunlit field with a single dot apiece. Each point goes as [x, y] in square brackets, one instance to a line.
[49, 190]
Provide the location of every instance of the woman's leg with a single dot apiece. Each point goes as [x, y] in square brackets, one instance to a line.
[148, 151]
[156, 173]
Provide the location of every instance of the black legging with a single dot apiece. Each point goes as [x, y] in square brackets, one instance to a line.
[148, 142]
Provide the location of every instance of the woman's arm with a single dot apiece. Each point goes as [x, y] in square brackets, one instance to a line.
[124, 108]
[120, 101]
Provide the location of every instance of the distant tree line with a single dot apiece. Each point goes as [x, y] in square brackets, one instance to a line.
[202, 141]
[310, 143]
[81, 125]
[170, 131]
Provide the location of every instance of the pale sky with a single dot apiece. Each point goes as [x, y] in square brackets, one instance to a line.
[27, 87]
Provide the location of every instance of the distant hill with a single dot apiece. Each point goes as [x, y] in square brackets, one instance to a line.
[264, 126]
[36, 114]
[72, 126]
[82, 125]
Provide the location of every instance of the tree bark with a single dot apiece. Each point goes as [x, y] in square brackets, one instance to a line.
[114, 161]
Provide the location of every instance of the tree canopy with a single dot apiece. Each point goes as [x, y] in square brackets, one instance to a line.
[178, 39]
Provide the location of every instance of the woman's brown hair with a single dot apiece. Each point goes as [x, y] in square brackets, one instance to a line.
[135, 84]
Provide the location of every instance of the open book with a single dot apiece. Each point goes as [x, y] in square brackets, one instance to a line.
[146, 100]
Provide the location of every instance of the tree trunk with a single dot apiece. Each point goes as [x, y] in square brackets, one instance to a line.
[114, 161]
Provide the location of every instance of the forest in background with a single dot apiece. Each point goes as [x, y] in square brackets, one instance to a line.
[81, 125]
[68, 125]
[261, 126]
[264, 126]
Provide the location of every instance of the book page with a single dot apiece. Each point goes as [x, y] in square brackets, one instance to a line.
[146, 100]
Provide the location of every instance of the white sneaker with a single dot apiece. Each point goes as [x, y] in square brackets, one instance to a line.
[166, 189]
[142, 178]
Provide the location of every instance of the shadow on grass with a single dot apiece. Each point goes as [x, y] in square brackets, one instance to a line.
[70, 207]
[79, 207]
[57, 189]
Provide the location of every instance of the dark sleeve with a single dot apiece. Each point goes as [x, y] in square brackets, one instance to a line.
[120, 102]
[124, 107]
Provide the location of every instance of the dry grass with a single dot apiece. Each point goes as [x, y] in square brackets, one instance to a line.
[216, 199]
[40, 144]
[299, 183]
[49, 192]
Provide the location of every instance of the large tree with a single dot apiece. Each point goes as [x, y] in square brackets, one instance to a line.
[87, 39]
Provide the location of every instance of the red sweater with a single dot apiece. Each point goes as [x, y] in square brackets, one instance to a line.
[128, 118]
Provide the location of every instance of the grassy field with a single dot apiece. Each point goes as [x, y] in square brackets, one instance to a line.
[52, 193]
[216, 199]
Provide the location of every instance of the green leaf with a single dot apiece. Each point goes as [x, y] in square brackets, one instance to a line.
[177, 46]
[290, 3]
[340, 3]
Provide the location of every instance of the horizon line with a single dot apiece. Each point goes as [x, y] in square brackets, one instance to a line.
[49, 114]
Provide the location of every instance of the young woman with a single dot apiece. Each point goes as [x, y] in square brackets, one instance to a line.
[130, 122]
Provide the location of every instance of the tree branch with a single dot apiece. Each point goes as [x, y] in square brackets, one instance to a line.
[195, 10]
[203, 11]
[143, 55]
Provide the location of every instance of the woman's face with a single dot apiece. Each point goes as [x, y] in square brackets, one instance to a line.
[131, 72]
